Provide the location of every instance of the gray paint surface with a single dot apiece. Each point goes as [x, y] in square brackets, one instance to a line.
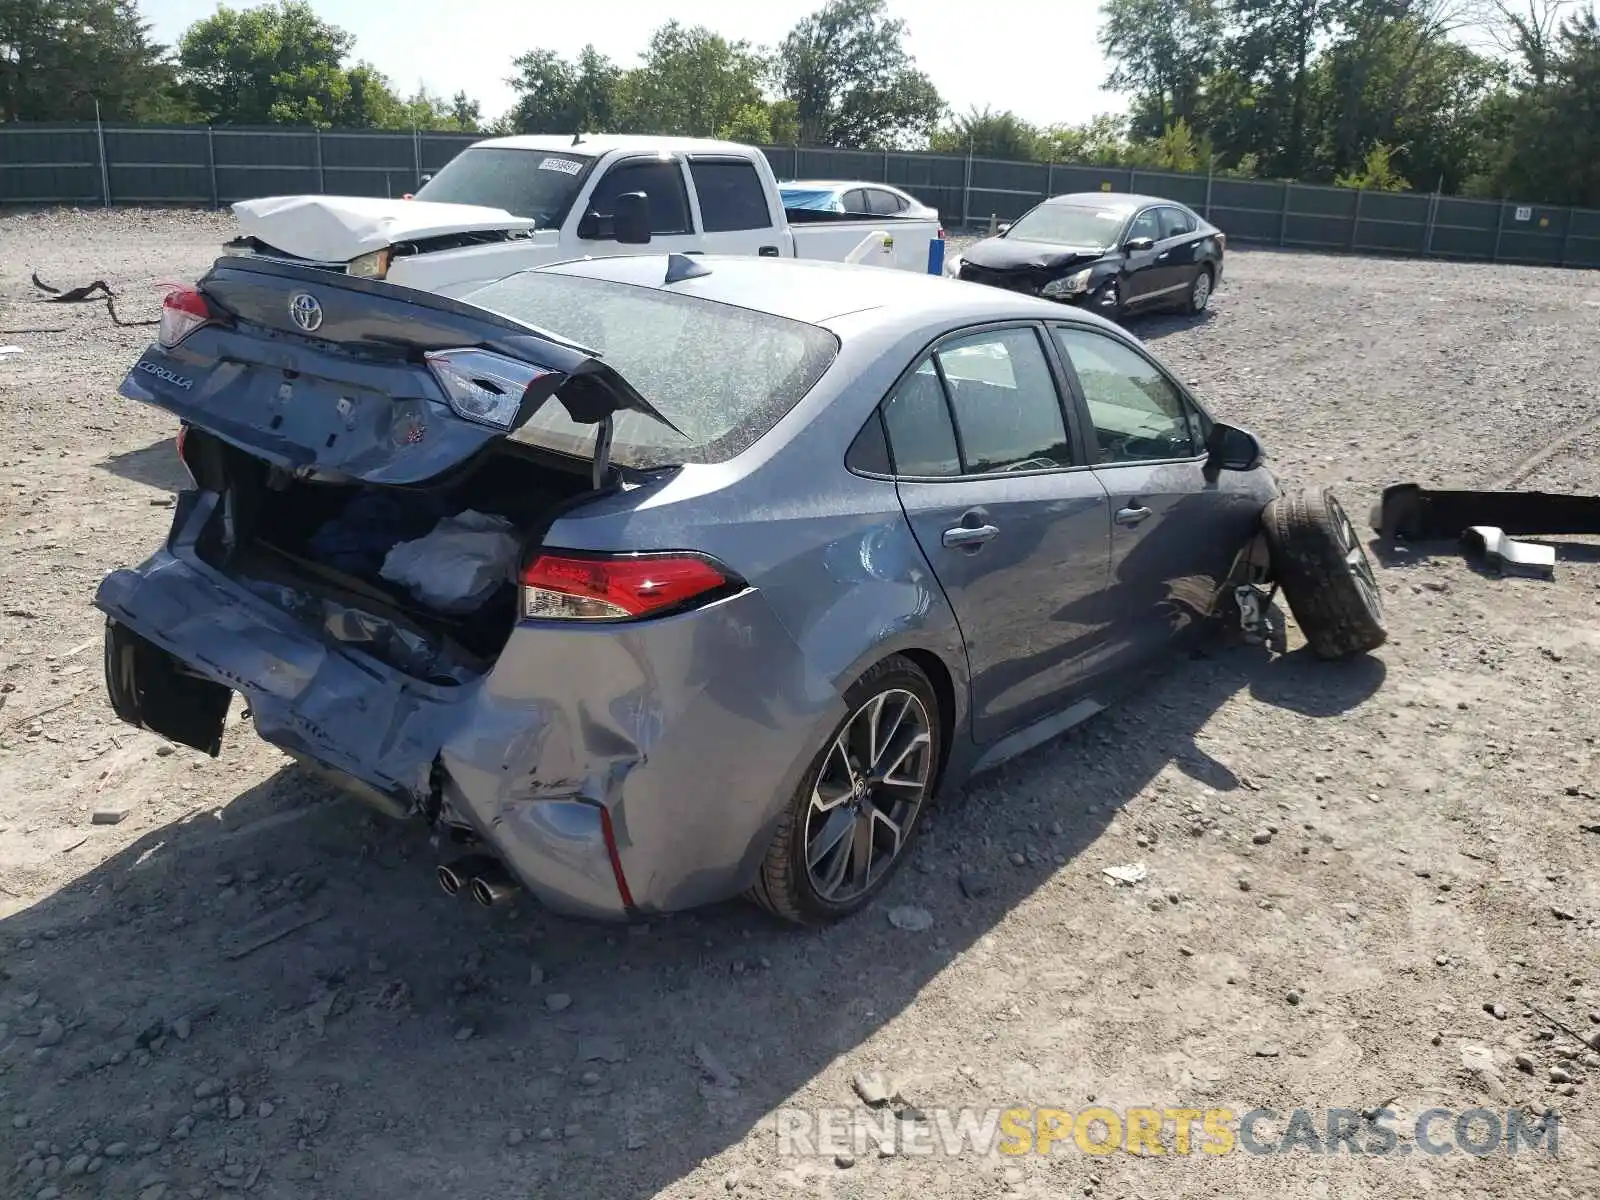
[692, 732]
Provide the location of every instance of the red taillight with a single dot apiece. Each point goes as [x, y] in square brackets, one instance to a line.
[584, 587]
[182, 312]
[941, 235]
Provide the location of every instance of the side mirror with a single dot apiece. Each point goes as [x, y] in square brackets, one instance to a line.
[1003, 228]
[427, 179]
[1135, 245]
[631, 222]
[1230, 448]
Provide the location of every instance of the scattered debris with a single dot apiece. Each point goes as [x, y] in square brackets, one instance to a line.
[600, 1049]
[269, 928]
[1479, 1062]
[1419, 514]
[911, 918]
[1129, 875]
[715, 1071]
[1507, 555]
[874, 1090]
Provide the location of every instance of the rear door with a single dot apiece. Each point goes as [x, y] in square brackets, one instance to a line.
[736, 215]
[1174, 532]
[990, 475]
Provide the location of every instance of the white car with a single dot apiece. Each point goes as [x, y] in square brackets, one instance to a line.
[854, 197]
[508, 204]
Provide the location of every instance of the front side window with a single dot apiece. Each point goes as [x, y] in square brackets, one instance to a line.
[1146, 225]
[661, 181]
[1138, 413]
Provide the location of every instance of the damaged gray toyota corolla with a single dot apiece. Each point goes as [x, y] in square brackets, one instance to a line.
[655, 580]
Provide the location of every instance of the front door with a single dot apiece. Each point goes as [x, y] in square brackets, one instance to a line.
[1140, 273]
[1014, 527]
[671, 217]
[1174, 532]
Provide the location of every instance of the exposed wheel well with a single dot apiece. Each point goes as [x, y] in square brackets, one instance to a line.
[944, 689]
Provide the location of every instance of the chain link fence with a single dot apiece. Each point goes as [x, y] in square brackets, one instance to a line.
[86, 164]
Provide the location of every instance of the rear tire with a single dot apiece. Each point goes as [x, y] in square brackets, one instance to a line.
[1319, 562]
[830, 856]
[1199, 296]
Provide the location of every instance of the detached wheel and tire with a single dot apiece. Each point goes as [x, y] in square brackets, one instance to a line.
[1321, 565]
[849, 824]
[1199, 297]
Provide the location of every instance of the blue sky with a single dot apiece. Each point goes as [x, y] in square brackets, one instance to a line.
[469, 44]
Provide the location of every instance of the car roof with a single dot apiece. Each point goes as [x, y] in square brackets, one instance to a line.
[818, 292]
[1116, 201]
[837, 185]
[606, 143]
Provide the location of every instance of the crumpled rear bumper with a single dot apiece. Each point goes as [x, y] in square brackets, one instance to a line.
[650, 760]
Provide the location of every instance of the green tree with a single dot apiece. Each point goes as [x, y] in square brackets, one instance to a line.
[751, 125]
[852, 81]
[466, 114]
[1161, 51]
[557, 96]
[691, 83]
[988, 134]
[278, 63]
[1377, 173]
[59, 57]
[1102, 141]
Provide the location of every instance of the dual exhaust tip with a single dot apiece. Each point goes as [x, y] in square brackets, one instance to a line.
[482, 877]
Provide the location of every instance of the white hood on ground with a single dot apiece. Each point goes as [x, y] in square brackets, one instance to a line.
[339, 228]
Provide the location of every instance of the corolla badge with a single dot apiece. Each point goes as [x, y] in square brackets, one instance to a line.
[306, 311]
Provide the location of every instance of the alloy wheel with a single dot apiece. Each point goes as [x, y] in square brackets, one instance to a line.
[867, 795]
[1355, 557]
[1200, 295]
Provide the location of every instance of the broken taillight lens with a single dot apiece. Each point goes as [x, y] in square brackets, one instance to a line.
[482, 386]
[182, 312]
[593, 587]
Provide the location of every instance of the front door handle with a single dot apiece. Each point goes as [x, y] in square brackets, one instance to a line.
[969, 535]
[1132, 516]
[768, 252]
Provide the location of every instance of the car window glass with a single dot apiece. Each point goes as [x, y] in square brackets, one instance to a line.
[1137, 412]
[1175, 222]
[855, 201]
[661, 181]
[731, 196]
[1146, 224]
[1005, 402]
[884, 204]
[921, 438]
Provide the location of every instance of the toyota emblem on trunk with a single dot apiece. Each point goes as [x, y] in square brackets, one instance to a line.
[306, 311]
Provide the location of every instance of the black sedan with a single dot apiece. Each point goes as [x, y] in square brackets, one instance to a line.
[1108, 252]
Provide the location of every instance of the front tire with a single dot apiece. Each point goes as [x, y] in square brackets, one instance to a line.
[849, 824]
[1320, 564]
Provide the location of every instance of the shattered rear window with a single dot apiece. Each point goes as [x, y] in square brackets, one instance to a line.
[723, 375]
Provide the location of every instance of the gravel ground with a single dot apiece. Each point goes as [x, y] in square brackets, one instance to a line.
[1349, 867]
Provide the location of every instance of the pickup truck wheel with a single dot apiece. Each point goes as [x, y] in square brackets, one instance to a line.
[848, 826]
[1320, 564]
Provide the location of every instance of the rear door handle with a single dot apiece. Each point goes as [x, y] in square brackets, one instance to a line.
[1131, 516]
[969, 535]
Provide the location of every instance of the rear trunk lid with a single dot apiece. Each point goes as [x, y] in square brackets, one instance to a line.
[336, 229]
[339, 379]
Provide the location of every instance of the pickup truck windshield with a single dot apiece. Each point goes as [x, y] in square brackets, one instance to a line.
[1069, 225]
[723, 375]
[538, 184]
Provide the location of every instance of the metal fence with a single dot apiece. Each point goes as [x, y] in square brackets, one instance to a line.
[155, 164]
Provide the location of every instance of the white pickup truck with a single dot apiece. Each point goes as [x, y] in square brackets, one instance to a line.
[508, 204]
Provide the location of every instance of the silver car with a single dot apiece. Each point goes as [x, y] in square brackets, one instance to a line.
[656, 580]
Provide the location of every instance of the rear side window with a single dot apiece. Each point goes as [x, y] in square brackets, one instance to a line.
[885, 204]
[981, 404]
[921, 438]
[1175, 222]
[723, 375]
[661, 181]
[731, 196]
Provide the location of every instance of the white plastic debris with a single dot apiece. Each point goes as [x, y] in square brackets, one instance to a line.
[459, 565]
[1131, 874]
[8, 351]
